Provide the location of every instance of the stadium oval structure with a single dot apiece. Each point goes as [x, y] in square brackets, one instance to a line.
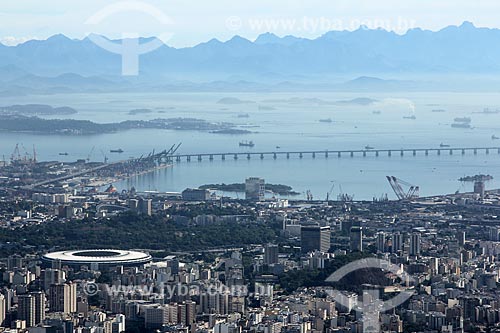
[97, 259]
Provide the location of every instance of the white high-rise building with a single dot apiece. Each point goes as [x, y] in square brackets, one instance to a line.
[2, 309]
[62, 298]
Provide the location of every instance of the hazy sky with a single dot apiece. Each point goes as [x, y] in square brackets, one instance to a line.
[187, 22]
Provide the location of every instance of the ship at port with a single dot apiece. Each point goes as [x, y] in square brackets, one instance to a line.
[327, 120]
[494, 137]
[369, 148]
[489, 111]
[443, 145]
[465, 120]
[63, 154]
[247, 144]
[119, 151]
[461, 125]
[412, 117]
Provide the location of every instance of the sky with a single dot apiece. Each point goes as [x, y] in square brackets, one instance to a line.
[183, 23]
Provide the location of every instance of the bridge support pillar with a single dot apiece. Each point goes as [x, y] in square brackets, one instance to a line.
[199, 158]
[326, 154]
[499, 150]
[223, 157]
[439, 151]
[261, 156]
[487, 151]
[301, 155]
[414, 153]
[313, 155]
[377, 153]
[188, 158]
[248, 156]
[402, 153]
[235, 156]
[426, 152]
[352, 154]
[339, 154]
[288, 155]
[475, 151]
[178, 158]
[451, 151]
[364, 153]
[275, 156]
[389, 153]
[211, 158]
[463, 151]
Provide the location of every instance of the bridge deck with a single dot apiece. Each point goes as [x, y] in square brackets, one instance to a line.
[363, 152]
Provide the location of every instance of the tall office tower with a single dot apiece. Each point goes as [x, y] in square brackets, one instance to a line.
[255, 189]
[26, 309]
[39, 306]
[415, 244]
[461, 238]
[356, 239]
[381, 242]
[62, 298]
[397, 242]
[271, 254]
[314, 238]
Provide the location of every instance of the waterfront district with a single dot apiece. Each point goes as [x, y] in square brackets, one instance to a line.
[79, 256]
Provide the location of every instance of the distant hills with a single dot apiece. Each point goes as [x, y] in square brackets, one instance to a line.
[61, 64]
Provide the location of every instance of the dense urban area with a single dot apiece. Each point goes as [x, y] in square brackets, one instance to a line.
[81, 256]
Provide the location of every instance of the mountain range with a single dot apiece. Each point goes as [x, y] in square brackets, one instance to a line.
[61, 64]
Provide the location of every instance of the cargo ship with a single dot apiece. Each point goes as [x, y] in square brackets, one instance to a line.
[247, 144]
[412, 117]
[119, 151]
[466, 120]
[461, 125]
[327, 120]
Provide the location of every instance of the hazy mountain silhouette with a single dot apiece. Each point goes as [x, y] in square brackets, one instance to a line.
[452, 59]
[463, 49]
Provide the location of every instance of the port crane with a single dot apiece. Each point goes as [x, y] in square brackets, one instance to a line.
[397, 186]
[329, 193]
[105, 157]
[90, 154]
[16, 156]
